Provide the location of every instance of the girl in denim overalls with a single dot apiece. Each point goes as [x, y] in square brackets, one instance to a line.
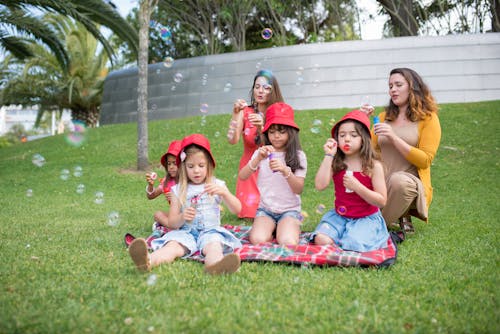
[194, 216]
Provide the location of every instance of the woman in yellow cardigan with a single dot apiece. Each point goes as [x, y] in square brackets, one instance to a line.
[407, 136]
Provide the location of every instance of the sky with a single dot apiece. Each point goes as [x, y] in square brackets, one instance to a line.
[370, 29]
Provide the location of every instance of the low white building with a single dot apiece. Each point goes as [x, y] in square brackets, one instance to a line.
[26, 116]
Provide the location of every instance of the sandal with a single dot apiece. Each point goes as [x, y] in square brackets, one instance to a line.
[138, 251]
[128, 238]
[406, 225]
[228, 265]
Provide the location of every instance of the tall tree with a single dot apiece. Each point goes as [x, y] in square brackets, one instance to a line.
[439, 17]
[41, 80]
[142, 84]
[17, 22]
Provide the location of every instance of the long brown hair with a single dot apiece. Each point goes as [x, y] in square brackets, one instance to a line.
[366, 153]
[274, 97]
[421, 103]
[183, 176]
[292, 146]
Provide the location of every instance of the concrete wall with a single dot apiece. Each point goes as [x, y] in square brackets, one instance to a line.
[458, 68]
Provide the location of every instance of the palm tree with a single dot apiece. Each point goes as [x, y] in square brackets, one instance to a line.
[17, 16]
[43, 81]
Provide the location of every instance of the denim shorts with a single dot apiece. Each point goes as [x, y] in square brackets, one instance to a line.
[195, 240]
[261, 212]
[357, 234]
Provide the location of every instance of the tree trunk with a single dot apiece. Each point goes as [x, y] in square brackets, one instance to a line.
[142, 86]
[88, 116]
[402, 16]
[495, 15]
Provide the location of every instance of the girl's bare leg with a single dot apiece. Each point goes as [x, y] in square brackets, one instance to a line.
[262, 230]
[288, 231]
[215, 261]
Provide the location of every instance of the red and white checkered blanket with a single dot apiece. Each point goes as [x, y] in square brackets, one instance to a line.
[309, 254]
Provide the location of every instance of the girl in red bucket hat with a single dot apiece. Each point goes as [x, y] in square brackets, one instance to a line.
[247, 121]
[282, 169]
[168, 161]
[355, 223]
[194, 217]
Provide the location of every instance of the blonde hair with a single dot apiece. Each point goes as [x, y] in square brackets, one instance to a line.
[183, 176]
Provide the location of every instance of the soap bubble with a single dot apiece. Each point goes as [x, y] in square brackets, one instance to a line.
[152, 279]
[80, 189]
[204, 108]
[64, 175]
[228, 87]
[316, 83]
[168, 62]
[99, 197]
[113, 218]
[317, 122]
[38, 160]
[320, 208]
[178, 77]
[158, 71]
[165, 34]
[29, 193]
[303, 216]
[267, 33]
[217, 134]
[76, 136]
[299, 81]
[77, 171]
[331, 122]
[128, 321]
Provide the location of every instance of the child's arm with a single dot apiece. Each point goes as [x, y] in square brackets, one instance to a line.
[175, 216]
[377, 196]
[324, 174]
[151, 191]
[253, 164]
[231, 201]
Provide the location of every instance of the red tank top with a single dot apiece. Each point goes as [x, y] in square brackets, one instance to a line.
[351, 205]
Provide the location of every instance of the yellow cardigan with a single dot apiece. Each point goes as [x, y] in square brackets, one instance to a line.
[429, 136]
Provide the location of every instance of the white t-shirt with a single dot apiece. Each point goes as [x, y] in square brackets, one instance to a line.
[275, 193]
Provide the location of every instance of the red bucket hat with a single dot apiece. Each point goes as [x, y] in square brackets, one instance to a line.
[279, 113]
[355, 115]
[174, 148]
[196, 139]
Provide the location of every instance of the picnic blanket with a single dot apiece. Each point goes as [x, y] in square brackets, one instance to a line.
[309, 254]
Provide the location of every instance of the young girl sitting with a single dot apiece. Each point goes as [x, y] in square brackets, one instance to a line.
[356, 222]
[168, 161]
[194, 216]
[282, 169]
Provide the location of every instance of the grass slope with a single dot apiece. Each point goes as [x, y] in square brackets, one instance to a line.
[65, 270]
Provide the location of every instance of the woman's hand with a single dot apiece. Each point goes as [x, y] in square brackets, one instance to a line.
[384, 129]
[368, 109]
[256, 119]
[239, 105]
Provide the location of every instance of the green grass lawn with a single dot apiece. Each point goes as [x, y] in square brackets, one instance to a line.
[64, 269]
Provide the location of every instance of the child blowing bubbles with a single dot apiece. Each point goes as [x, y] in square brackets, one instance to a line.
[168, 161]
[282, 169]
[356, 222]
[194, 215]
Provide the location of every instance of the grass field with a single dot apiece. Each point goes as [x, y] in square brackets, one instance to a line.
[64, 269]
